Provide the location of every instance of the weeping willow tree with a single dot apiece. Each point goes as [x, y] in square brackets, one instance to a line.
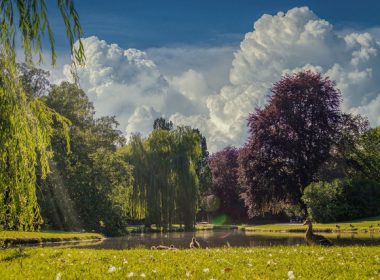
[186, 155]
[166, 182]
[26, 123]
[135, 153]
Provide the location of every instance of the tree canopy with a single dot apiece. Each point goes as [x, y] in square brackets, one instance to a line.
[224, 168]
[290, 138]
[26, 123]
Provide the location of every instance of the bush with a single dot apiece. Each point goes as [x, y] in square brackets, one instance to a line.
[342, 199]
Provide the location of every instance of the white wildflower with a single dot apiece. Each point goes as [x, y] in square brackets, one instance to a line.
[130, 274]
[188, 273]
[142, 275]
[58, 276]
[111, 269]
[291, 275]
[206, 270]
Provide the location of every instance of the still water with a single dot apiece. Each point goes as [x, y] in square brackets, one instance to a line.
[233, 238]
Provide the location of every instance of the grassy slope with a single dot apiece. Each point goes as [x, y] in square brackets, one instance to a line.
[16, 237]
[228, 263]
[360, 226]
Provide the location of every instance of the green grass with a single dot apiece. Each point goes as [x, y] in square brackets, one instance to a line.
[362, 225]
[227, 263]
[24, 237]
[177, 228]
[215, 227]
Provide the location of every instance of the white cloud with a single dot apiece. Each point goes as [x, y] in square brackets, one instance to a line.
[186, 85]
[126, 83]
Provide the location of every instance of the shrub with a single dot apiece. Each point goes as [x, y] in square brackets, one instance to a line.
[342, 199]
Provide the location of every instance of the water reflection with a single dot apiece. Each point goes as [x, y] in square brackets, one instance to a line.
[234, 238]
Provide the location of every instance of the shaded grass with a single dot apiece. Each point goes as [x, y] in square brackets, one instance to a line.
[227, 263]
[27, 237]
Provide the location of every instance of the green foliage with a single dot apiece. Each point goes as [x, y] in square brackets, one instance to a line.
[26, 128]
[26, 123]
[166, 182]
[33, 24]
[342, 199]
[325, 201]
[89, 187]
[364, 159]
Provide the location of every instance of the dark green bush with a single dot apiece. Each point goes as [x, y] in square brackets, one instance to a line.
[342, 199]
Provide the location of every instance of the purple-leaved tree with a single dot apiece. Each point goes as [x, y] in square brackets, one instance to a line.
[289, 139]
[224, 170]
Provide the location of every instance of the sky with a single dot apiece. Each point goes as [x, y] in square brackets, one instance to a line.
[209, 64]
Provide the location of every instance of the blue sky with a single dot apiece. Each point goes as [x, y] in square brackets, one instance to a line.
[150, 23]
[203, 64]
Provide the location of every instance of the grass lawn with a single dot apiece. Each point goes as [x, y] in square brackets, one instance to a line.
[359, 226]
[298, 262]
[138, 229]
[21, 237]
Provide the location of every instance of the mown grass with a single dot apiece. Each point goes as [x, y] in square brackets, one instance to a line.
[26, 237]
[298, 262]
[362, 225]
[177, 228]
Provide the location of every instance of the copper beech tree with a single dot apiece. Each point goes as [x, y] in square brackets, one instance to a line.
[289, 140]
[224, 168]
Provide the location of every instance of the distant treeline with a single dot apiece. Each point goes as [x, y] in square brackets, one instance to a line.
[303, 156]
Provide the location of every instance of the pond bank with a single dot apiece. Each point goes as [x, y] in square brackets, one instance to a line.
[280, 262]
[23, 237]
[369, 225]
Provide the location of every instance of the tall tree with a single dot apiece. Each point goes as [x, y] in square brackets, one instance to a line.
[166, 181]
[224, 169]
[186, 154]
[290, 138]
[364, 158]
[91, 185]
[26, 123]
[162, 123]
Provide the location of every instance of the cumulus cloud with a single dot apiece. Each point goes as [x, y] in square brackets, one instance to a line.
[129, 84]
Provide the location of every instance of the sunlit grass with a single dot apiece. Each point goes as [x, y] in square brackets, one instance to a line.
[177, 228]
[363, 225]
[300, 262]
[15, 237]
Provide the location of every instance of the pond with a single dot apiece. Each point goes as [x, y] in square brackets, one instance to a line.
[233, 238]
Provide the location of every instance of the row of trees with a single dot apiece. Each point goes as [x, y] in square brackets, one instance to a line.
[301, 140]
[91, 180]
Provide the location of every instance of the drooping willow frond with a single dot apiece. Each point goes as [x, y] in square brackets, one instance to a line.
[28, 20]
[26, 129]
[26, 124]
